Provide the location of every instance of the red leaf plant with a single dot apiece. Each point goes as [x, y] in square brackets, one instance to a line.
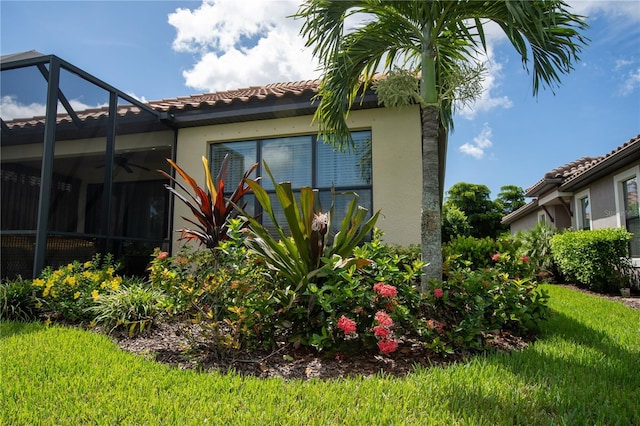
[211, 208]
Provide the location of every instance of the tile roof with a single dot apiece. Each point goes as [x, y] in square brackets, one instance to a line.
[275, 90]
[300, 89]
[566, 174]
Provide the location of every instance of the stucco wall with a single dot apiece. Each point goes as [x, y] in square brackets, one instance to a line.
[396, 160]
[525, 223]
[603, 204]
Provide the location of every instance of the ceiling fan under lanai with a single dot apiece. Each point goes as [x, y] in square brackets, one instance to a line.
[122, 161]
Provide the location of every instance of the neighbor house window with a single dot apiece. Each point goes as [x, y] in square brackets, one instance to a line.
[303, 161]
[628, 211]
[583, 209]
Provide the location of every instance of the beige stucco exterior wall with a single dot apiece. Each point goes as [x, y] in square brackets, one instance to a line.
[396, 161]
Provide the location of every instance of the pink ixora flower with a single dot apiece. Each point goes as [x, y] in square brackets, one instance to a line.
[387, 346]
[380, 331]
[346, 325]
[525, 259]
[163, 255]
[385, 290]
[383, 319]
[438, 293]
[495, 257]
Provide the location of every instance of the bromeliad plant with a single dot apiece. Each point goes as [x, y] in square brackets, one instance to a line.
[301, 256]
[210, 207]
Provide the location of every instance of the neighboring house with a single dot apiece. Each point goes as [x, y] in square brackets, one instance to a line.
[589, 193]
[102, 191]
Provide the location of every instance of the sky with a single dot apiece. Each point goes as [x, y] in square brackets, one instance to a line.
[159, 49]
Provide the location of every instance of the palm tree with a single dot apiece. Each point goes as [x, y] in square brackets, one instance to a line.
[437, 39]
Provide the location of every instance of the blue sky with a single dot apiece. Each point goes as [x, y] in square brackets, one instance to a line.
[163, 49]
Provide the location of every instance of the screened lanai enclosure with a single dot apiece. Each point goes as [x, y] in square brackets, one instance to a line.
[79, 162]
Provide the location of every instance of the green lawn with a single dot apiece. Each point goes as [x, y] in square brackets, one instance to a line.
[584, 369]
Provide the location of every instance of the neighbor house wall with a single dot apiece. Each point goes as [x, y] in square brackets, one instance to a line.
[603, 204]
[525, 223]
[396, 158]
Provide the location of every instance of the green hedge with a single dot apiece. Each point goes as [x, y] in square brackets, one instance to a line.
[597, 259]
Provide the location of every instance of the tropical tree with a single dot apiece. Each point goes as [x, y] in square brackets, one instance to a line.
[474, 200]
[438, 39]
[510, 198]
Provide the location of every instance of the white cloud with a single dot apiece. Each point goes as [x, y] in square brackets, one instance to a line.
[10, 108]
[627, 9]
[621, 63]
[240, 44]
[631, 83]
[480, 143]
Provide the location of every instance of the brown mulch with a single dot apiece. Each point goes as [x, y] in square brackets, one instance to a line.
[181, 345]
[178, 344]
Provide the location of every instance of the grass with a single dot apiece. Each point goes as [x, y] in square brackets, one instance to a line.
[583, 370]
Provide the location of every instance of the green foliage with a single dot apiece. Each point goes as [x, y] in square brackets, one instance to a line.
[474, 201]
[454, 223]
[596, 259]
[462, 312]
[536, 244]
[477, 253]
[134, 306]
[378, 278]
[399, 88]
[510, 198]
[17, 302]
[211, 208]
[301, 256]
[67, 292]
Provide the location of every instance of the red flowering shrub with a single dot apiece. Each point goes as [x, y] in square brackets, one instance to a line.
[438, 293]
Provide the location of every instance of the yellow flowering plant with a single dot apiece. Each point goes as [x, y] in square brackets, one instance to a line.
[68, 291]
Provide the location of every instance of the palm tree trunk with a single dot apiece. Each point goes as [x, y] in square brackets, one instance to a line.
[431, 238]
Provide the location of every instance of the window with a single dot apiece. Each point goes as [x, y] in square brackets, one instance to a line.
[627, 209]
[583, 209]
[304, 161]
[632, 213]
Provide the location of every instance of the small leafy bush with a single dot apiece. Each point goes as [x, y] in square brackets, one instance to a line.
[463, 311]
[536, 244]
[68, 292]
[595, 259]
[17, 301]
[477, 253]
[194, 286]
[134, 306]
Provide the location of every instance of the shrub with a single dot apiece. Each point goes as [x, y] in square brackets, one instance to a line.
[135, 306]
[194, 285]
[595, 259]
[338, 309]
[477, 253]
[17, 301]
[536, 244]
[68, 291]
[461, 312]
